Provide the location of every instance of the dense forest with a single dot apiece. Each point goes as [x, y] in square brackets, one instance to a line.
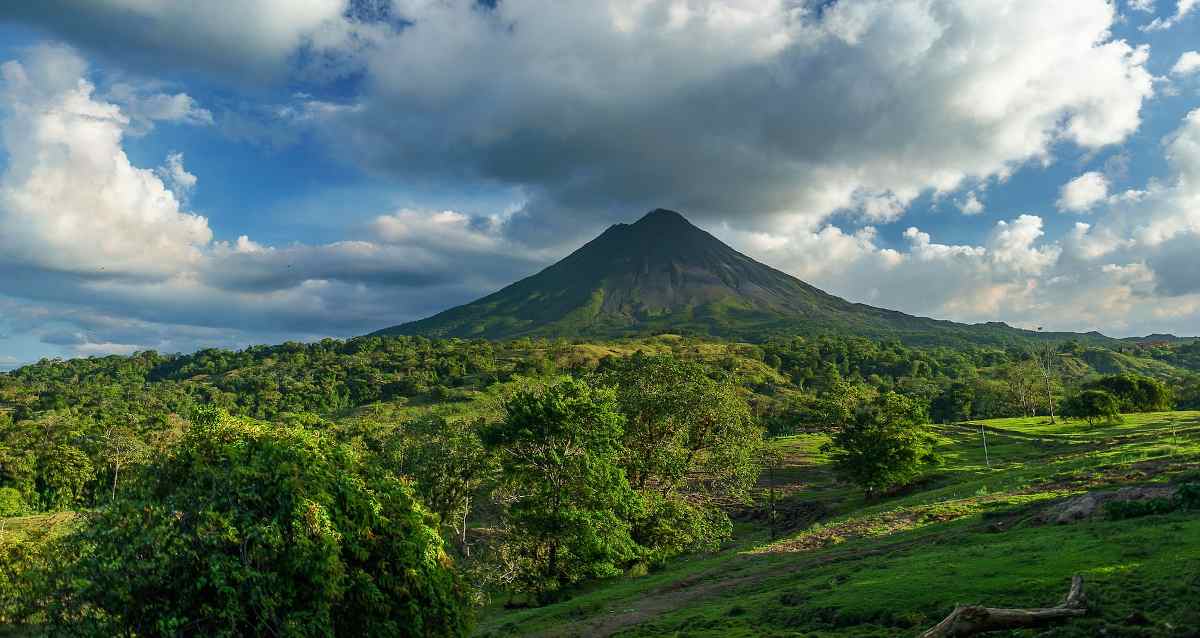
[523, 467]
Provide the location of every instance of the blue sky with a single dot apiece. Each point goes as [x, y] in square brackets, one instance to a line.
[178, 176]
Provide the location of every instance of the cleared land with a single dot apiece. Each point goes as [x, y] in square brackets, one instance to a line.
[968, 534]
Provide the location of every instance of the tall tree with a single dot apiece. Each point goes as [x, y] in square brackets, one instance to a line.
[568, 501]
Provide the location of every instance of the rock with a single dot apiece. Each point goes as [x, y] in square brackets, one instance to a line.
[1088, 505]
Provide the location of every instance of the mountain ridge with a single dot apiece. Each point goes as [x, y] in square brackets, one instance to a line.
[664, 274]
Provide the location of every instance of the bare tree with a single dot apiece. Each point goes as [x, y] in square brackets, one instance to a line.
[1045, 356]
[122, 447]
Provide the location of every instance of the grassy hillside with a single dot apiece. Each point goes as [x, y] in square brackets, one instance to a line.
[970, 534]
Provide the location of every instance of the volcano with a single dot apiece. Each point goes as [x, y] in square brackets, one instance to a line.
[663, 274]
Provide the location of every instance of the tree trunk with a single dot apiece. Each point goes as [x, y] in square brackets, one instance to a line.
[974, 619]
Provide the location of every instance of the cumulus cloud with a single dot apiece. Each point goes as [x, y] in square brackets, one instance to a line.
[1145, 6]
[1082, 193]
[971, 205]
[1187, 64]
[1132, 269]
[86, 233]
[70, 200]
[860, 106]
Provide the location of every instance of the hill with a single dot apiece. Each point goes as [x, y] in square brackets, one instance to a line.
[663, 274]
[983, 530]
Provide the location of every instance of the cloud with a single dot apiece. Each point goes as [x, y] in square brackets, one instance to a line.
[1131, 270]
[145, 108]
[1187, 64]
[596, 109]
[1182, 9]
[1082, 193]
[971, 205]
[249, 40]
[85, 233]
[70, 200]
[1145, 6]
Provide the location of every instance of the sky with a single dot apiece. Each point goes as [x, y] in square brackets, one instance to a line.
[175, 176]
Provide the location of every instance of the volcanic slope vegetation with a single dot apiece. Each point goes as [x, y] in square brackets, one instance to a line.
[663, 274]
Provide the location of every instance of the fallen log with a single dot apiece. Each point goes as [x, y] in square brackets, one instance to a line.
[973, 619]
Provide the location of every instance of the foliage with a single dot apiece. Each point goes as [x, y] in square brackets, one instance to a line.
[246, 528]
[953, 404]
[879, 443]
[11, 502]
[568, 500]
[1092, 406]
[1134, 393]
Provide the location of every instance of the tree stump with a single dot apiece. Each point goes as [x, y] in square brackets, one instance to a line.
[974, 619]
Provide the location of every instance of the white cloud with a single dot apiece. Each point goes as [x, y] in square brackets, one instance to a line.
[176, 177]
[1187, 64]
[1145, 6]
[85, 233]
[70, 200]
[144, 108]
[1082, 193]
[971, 205]
[860, 107]
[1131, 270]
[1182, 9]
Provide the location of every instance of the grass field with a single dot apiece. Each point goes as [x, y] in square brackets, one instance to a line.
[970, 533]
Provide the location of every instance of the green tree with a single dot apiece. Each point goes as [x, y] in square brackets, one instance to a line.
[954, 404]
[689, 443]
[568, 502]
[254, 529]
[879, 442]
[449, 466]
[1092, 406]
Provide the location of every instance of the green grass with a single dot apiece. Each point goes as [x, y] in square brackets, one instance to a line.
[968, 533]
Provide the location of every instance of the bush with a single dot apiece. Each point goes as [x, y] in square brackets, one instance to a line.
[11, 503]
[250, 529]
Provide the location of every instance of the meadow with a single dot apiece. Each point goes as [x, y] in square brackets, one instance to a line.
[969, 533]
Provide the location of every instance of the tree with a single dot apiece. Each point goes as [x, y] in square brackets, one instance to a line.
[568, 502]
[449, 465]
[247, 528]
[954, 404]
[122, 447]
[1020, 377]
[1046, 357]
[1134, 393]
[689, 443]
[681, 425]
[1092, 406]
[879, 442]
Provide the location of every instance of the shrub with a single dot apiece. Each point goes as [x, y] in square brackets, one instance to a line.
[11, 503]
[250, 529]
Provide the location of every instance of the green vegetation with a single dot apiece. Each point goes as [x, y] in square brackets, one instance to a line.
[403, 485]
[968, 534]
[878, 443]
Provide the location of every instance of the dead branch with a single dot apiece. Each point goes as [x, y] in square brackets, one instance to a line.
[974, 619]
